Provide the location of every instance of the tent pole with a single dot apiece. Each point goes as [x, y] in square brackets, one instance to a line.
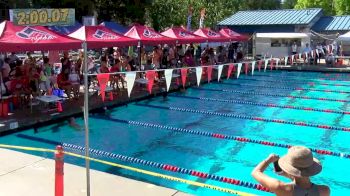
[86, 119]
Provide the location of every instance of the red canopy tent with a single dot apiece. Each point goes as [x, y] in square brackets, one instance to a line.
[34, 38]
[183, 36]
[234, 36]
[101, 36]
[211, 35]
[147, 35]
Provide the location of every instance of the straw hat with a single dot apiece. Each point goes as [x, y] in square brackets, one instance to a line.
[299, 162]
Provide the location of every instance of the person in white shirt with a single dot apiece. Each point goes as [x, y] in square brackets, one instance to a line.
[294, 48]
[6, 69]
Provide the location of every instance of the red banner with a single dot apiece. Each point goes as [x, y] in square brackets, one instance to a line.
[272, 62]
[184, 76]
[259, 65]
[230, 68]
[102, 81]
[210, 70]
[150, 75]
[246, 68]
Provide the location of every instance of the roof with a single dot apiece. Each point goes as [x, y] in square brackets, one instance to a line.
[273, 17]
[282, 35]
[332, 23]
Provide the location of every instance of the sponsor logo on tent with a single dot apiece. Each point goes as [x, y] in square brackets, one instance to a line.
[213, 34]
[185, 35]
[150, 34]
[34, 34]
[99, 34]
[230, 32]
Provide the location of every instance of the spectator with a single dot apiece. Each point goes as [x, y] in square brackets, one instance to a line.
[294, 48]
[66, 64]
[298, 165]
[188, 59]
[6, 69]
[13, 60]
[198, 54]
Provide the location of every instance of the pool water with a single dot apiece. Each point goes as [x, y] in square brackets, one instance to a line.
[211, 155]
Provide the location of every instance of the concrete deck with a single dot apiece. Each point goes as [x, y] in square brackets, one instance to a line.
[23, 174]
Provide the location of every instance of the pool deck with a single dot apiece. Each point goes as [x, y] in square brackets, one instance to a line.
[24, 174]
[25, 117]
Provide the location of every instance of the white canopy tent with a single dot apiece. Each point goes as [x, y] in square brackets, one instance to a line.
[345, 37]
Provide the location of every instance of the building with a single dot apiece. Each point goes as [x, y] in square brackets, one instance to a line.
[292, 26]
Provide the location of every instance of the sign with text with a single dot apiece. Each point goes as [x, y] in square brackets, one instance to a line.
[43, 17]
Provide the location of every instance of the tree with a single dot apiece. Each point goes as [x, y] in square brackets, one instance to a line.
[342, 7]
[260, 5]
[326, 5]
[289, 4]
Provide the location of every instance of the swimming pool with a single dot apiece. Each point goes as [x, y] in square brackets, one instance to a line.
[241, 108]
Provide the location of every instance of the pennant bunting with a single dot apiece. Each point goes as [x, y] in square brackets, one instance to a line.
[184, 76]
[312, 53]
[253, 67]
[130, 79]
[102, 81]
[259, 65]
[168, 73]
[199, 71]
[266, 62]
[239, 67]
[285, 60]
[150, 75]
[230, 69]
[300, 56]
[277, 63]
[209, 72]
[272, 62]
[317, 53]
[220, 71]
[246, 64]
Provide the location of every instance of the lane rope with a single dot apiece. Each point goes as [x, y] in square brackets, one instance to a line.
[286, 88]
[246, 117]
[272, 95]
[162, 166]
[298, 78]
[294, 82]
[262, 104]
[222, 136]
[137, 170]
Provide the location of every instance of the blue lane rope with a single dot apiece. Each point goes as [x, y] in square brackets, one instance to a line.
[326, 127]
[286, 88]
[294, 82]
[271, 94]
[262, 104]
[298, 78]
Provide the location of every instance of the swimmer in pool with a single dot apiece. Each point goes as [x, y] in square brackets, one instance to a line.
[72, 123]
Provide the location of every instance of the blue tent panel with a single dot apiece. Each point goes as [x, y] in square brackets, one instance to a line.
[115, 27]
[65, 30]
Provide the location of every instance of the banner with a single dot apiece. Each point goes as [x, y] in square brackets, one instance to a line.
[266, 62]
[199, 71]
[102, 81]
[230, 69]
[183, 76]
[253, 67]
[220, 71]
[246, 64]
[150, 75]
[209, 71]
[130, 79]
[201, 19]
[239, 67]
[189, 17]
[43, 17]
[168, 73]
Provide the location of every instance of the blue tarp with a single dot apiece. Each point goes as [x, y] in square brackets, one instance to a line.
[65, 30]
[115, 27]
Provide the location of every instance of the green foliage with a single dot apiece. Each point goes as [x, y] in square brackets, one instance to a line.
[342, 7]
[289, 4]
[326, 5]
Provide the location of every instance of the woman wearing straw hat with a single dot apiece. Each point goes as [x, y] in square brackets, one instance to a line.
[298, 165]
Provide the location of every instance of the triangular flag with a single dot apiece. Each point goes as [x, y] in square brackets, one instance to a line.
[306, 54]
[259, 65]
[230, 69]
[300, 56]
[317, 52]
[184, 76]
[277, 63]
[312, 53]
[209, 72]
[266, 62]
[168, 73]
[253, 67]
[220, 71]
[150, 75]
[103, 80]
[246, 64]
[239, 67]
[285, 60]
[199, 71]
[130, 79]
